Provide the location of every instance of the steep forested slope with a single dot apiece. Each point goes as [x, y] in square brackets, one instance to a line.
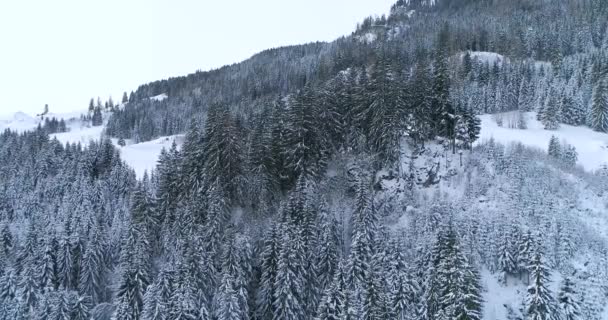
[335, 180]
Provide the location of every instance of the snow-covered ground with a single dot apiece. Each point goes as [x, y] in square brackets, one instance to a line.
[492, 57]
[160, 97]
[17, 122]
[141, 157]
[592, 146]
[20, 121]
[489, 57]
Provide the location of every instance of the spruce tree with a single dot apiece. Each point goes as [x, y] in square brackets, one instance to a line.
[222, 148]
[506, 262]
[567, 300]
[539, 301]
[269, 259]
[555, 148]
[289, 299]
[551, 112]
[305, 152]
[599, 106]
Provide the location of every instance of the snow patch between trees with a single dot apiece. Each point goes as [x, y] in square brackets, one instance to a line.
[592, 146]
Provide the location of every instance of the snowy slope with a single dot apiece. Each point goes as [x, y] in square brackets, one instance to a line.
[489, 57]
[18, 122]
[592, 147]
[493, 57]
[142, 157]
[159, 97]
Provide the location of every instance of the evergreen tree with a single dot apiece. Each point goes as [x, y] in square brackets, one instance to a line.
[569, 155]
[599, 106]
[506, 261]
[555, 148]
[567, 300]
[444, 114]
[306, 152]
[327, 255]
[135, 274]
[158, 295]
[222, 148]
[382, 117]
[8, 286]
[48, 268]
[551, 112]
[539, 301]
[269, 264]
[97, 118]
[289, 299]
[80, 309]
[93, 270]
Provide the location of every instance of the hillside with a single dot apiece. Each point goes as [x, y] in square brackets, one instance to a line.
[447, 161]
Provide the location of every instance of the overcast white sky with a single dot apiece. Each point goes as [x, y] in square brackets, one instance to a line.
[63, 52]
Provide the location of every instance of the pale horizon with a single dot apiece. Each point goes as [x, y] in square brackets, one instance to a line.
[65, 52]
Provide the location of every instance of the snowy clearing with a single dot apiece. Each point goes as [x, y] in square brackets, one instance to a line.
[592, 146]
[142, 157]
[159, 97]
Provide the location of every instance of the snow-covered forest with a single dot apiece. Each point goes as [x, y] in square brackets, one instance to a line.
[448, 161]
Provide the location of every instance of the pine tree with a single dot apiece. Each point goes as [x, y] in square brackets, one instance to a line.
[459, 293]
[135, 274]
[289, 300]
[337, 300]
[569, 155]
[228, 308]
[328, 246]
[222, 148]
[403, 288]
[525, 253]
[48, 268]
[268, 265]
[555, 148]
[444, 115]
[8, 286]
[599, 106]
[506, 261]
[158, 295]
[80, 309]
[62, 309]
[97, 118]
[372, 290]
[382, 117]
[66, 264]
[551, 112]
[364, 233]
[305, 152]
[539, 301]
[462, 132]
[567, 300]
[93, 269]
[29, 290]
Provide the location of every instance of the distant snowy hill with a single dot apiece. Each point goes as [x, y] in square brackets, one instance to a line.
[141, 157]
[18, 121]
